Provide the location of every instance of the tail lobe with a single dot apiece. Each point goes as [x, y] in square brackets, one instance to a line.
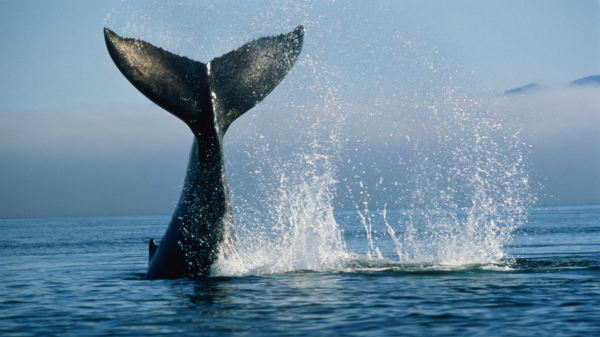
[242, 78]
[195, 92]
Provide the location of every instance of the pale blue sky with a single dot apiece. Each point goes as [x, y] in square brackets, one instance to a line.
[72, 128]
[53, 55]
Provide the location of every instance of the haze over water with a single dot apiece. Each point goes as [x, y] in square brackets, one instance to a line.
[72, 123]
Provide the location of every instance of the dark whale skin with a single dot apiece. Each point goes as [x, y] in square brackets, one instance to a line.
[208, 98]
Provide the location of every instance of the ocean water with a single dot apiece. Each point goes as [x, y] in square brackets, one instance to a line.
[405, 134]
[83, 276]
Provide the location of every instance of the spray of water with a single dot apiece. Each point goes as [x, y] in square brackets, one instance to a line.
[466, 189]
[297, 231]
[432, 168]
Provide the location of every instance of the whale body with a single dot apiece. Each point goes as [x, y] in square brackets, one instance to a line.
[208, 98]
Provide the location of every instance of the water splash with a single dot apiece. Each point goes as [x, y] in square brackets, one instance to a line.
[298, 230]
[467, 186]
[448, 174]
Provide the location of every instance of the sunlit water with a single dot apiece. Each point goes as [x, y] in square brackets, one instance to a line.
[74, 276]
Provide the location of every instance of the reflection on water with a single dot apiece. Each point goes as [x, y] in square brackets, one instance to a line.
[207, 291]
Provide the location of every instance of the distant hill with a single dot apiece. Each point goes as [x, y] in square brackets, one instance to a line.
[533, 87]
[590, 81]
[593, 80]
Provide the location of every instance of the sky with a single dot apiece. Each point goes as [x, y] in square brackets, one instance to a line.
[77, 139]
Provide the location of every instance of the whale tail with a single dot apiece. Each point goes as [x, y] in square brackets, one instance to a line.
[208, 98]
[198, 93]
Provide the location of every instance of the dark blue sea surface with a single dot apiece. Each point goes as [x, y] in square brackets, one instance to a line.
[83, 276]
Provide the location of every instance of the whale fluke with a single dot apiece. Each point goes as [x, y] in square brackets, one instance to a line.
[230, 84]
[208, 98]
